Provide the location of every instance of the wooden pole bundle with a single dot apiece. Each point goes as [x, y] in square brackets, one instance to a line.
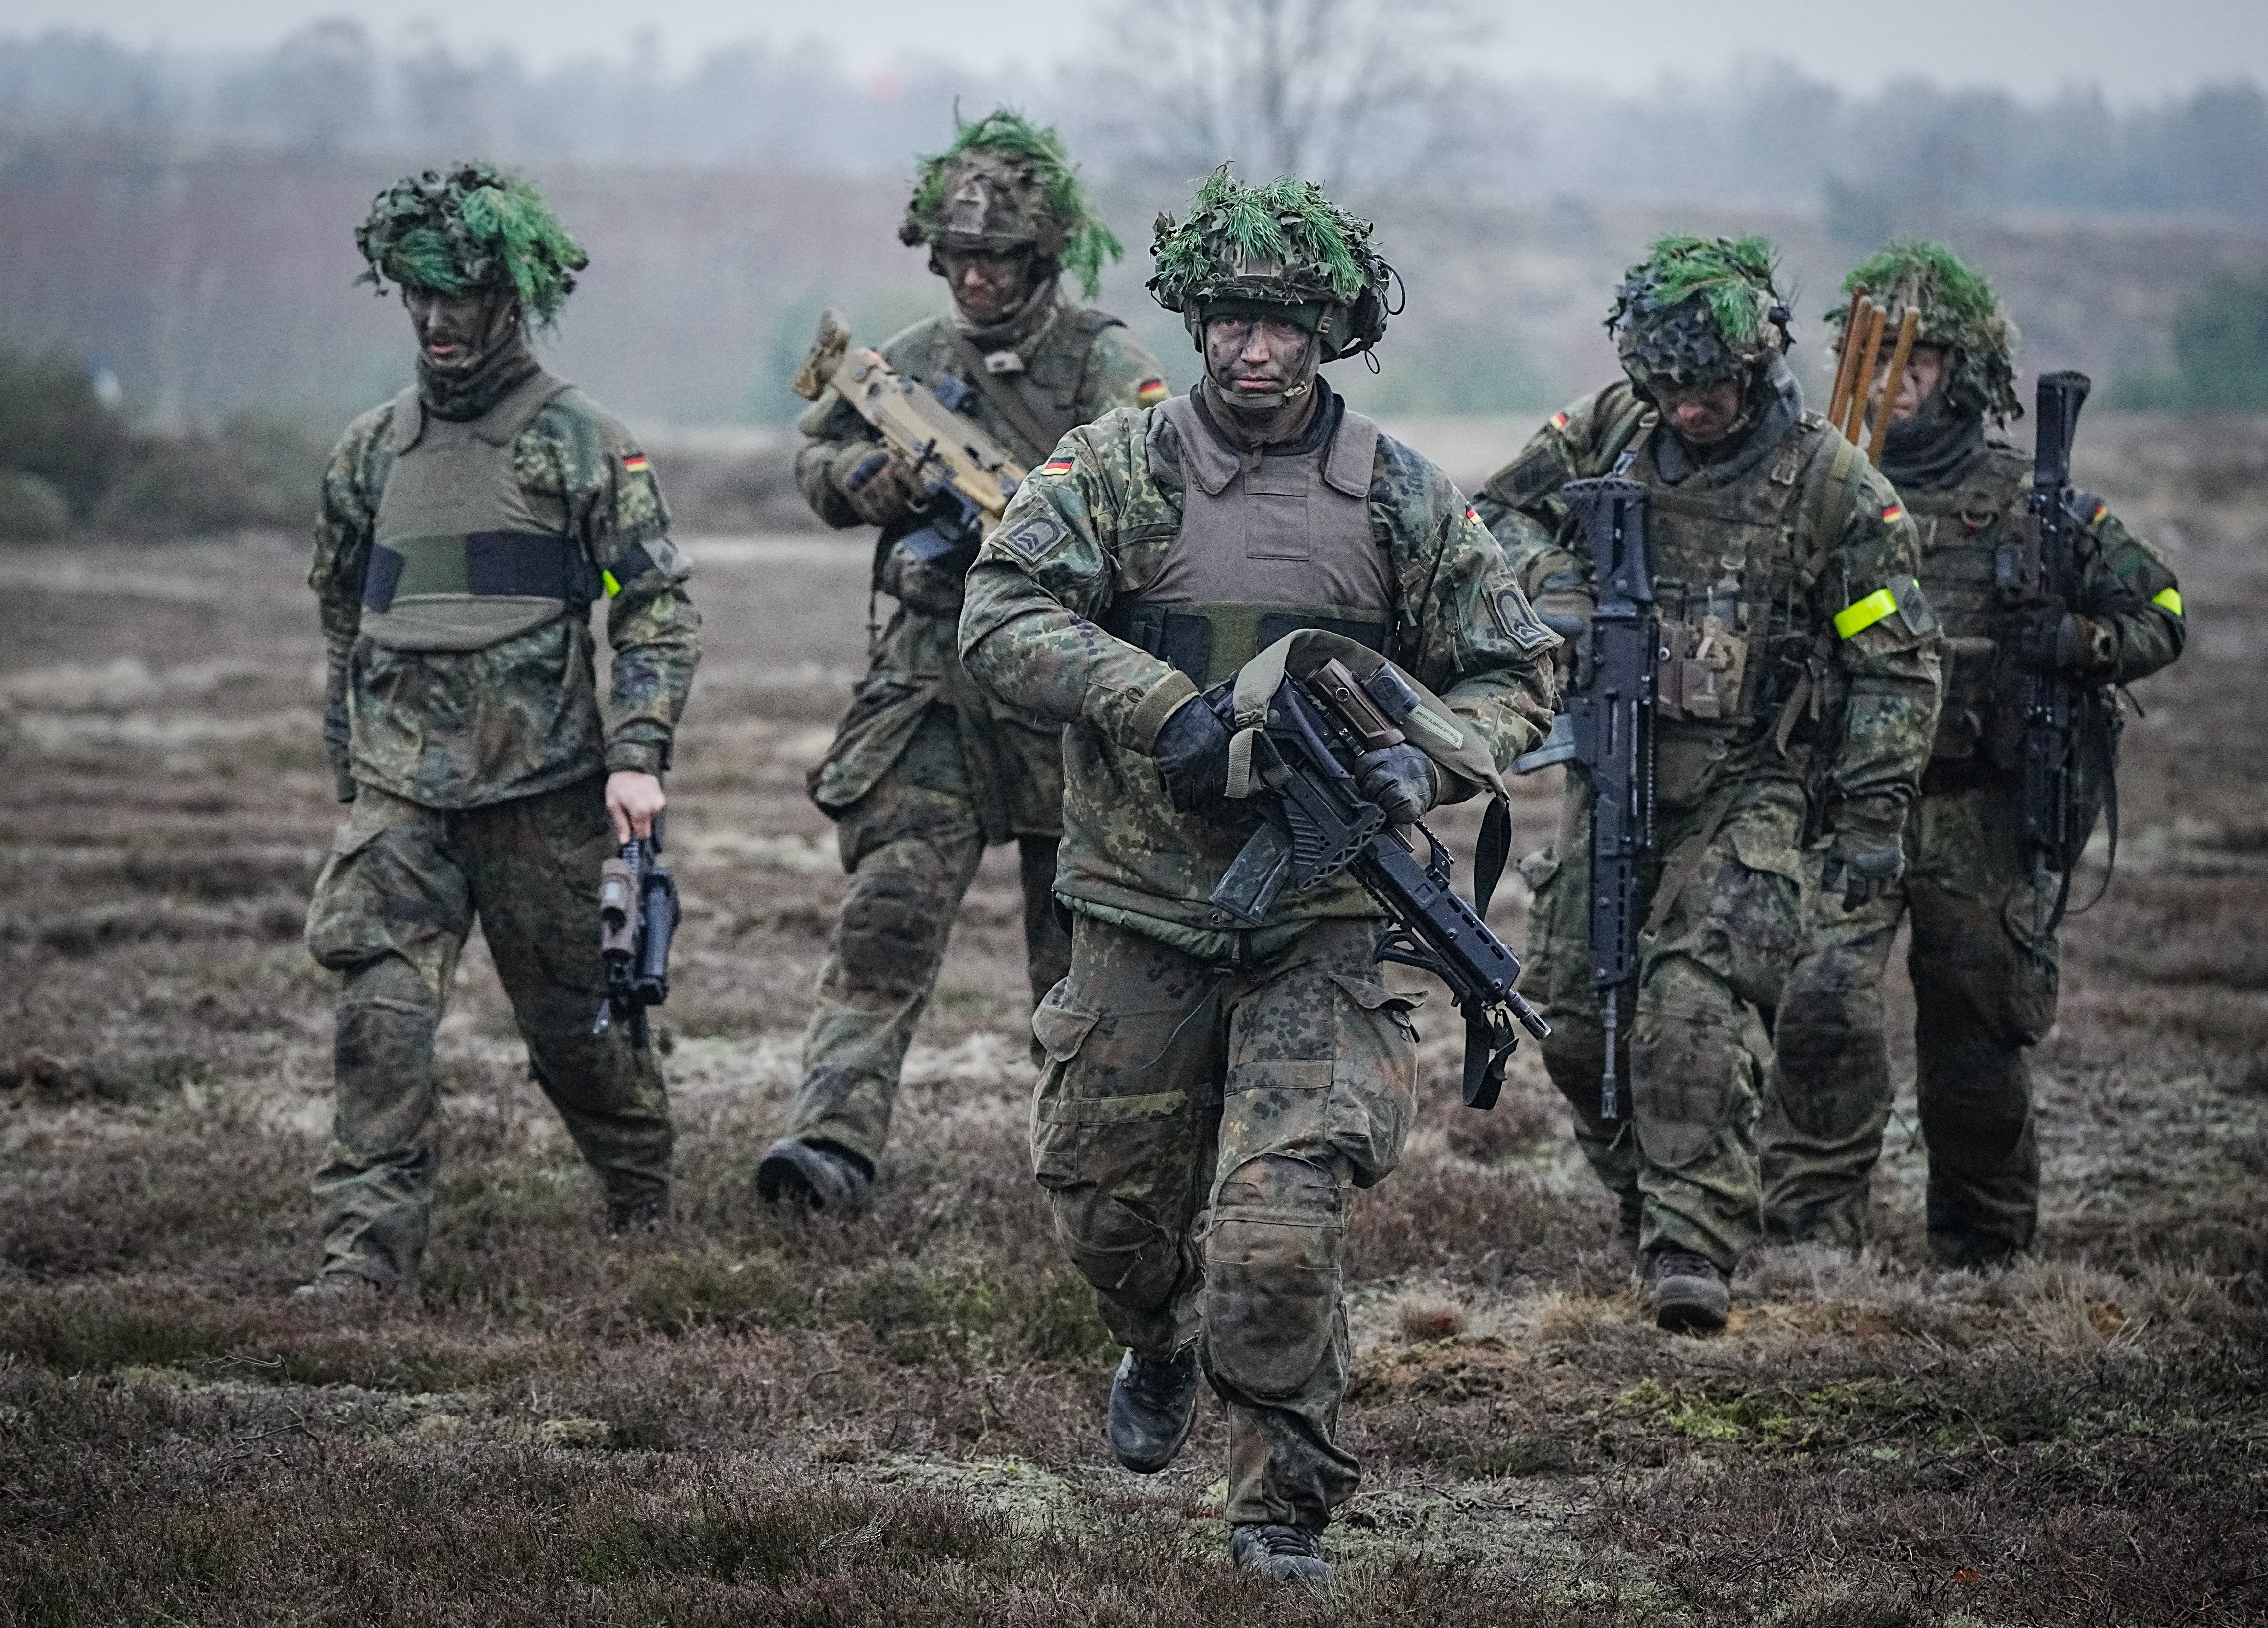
[1854, 372]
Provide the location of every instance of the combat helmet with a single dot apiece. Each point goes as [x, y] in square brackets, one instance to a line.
[1698, 311]
[1006, 183]
[471, 227]
[1957, 310]
[1283, 246]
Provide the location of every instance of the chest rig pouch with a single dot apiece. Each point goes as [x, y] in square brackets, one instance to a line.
[462, 558]
[1262, 552]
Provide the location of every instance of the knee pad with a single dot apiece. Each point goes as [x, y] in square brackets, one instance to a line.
[1271, 1293]
[892, 931]
[1122, 1252]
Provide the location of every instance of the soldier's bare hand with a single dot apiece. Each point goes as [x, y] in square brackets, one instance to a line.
[633, 799]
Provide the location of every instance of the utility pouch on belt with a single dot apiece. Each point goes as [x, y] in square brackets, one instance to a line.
[1697, 671]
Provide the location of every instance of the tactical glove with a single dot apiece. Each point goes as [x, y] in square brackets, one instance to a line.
[1401, 780]
[2051, 639]
[873, 482]
[1192, 753]
[1866, 856]
[921, 585]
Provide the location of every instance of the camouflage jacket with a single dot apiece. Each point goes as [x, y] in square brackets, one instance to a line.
[461, 729]
[1077, 367]
[1807, 556]
[2128, 599]
[1094, 524]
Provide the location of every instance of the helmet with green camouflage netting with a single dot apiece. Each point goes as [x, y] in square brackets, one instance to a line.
[467, 228]
[1958, 310]
[1283, 249]
[1698, 311]
[1005, 184]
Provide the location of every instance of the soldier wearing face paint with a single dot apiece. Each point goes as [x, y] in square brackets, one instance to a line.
[1215, 1096]
[1796, 692]
[467, 529]
[925, 771]
[1983, 956]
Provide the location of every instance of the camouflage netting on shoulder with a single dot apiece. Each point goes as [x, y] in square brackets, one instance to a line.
[472, 226]
[1283, 243]
[1004, 183]
[1958, 310]
[1695, 310]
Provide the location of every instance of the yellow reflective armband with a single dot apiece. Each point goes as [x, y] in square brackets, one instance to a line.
[2169, 600]
[613, 585]
[1855, 619]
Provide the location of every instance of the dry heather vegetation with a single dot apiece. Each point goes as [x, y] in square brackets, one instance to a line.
[894, 1418]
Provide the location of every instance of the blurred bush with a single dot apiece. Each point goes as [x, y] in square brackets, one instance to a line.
[58, 440]
[2220, 352]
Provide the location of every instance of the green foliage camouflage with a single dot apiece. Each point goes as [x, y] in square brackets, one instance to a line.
[2220, 352]
[1958, 310]
[1282, 243]
[1695, 310]
[471, 227]
[1046, 205]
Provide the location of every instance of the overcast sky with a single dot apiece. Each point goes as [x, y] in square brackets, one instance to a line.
[2133, 48]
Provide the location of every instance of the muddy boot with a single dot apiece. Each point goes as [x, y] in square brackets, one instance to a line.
[818, 1175]
[336, 1291]
[647, 1215]
[1690, 1295]
[1282, 1554]
[1153, 1404]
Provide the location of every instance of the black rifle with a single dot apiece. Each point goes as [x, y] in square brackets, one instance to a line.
[1319, 824]
[2039, 567]
[1612, 713]
[638, 915]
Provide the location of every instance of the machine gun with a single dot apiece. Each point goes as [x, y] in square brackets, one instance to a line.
[1305, 751]
[2038, 566]
[966, 476]
[638, 915]
[1609, 729]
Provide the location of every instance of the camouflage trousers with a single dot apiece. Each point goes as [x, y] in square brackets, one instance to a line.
[1692, 1044]
[391, 909]
[1984, 983]
[911, 846]
[1199, 1130]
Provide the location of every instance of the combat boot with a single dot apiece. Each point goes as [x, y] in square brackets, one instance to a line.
[1282, 1554]
[1690, 1295]
[818, 1175]
[1153, 1404]
[651, 1213]
[336, 1291]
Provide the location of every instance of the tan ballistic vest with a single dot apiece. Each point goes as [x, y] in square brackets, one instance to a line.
[462, 558]
[1264, 552]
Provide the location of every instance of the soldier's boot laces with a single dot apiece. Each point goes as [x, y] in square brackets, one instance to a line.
[1690, 1295]
[1153, 1403]
[815, 1175]
[647, 1214]
[1282, 1554]
[336, 1291]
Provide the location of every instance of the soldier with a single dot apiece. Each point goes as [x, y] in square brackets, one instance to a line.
[1212, 1096]
[467, 528]
[1768, 531]
[1983, 951]
[926, 772]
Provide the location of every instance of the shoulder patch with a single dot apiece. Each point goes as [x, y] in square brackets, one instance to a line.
[1531, 475]
[635, 463]
[1150, 392]
[1893, 513]
[1516, 619]
[1033, 538]
[1058, 466]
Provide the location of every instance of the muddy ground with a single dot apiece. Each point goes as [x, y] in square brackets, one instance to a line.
[894, 1418]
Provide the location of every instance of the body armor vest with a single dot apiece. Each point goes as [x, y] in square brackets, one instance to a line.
[462, 558]
[1262, 552]
[1961, 526]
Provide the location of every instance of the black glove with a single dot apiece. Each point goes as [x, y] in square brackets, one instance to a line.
[1192, 753]
[2044, 639]
[874, 482]
[1399, 779]
[1866, 856]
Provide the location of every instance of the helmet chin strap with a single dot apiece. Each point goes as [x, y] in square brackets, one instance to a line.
[1294, 392]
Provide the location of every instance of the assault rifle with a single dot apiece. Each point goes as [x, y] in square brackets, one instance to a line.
[1609, 729]
[1320, 824]
[965, 476]
[638, 915]
[2037, 566]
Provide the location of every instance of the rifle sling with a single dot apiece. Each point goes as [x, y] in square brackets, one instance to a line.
[1005, 399]
[1490, 854]
[1680, 875]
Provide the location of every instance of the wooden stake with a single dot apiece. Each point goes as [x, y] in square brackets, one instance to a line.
[1837, 398]
[1892, 382]
[1864, 377]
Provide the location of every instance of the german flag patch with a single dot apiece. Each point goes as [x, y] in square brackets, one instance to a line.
[1472, 514]
[1056, 465]
[2101, 509]
[1559, 420]
[635, 464]
[1893, 514]
[1150, 391]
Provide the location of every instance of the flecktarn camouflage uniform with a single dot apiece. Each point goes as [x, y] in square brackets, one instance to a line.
[456, 560]
[1761, 549]
[1983, 956]
[1214, 1097]
[926, 771]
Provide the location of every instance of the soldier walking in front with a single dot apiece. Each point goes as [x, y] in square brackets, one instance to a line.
[1983, 956]
[1215, 1095]
[1796, 692]
[467, 528]
[926, 771]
